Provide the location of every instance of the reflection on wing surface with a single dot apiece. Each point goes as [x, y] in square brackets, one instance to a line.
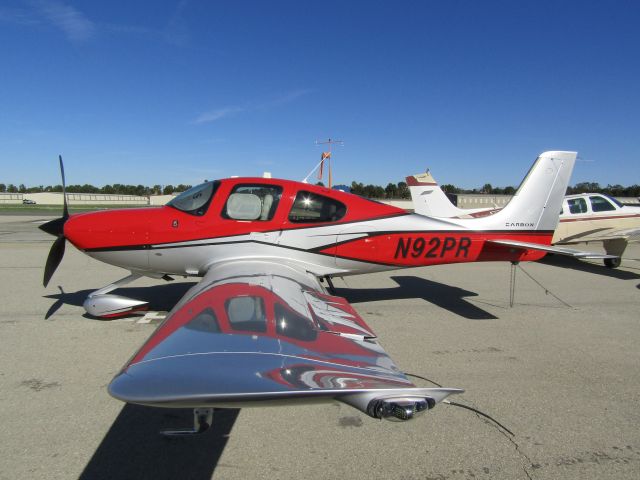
[234, 339]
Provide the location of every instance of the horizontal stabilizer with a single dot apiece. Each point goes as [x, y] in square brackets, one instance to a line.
[569, 252]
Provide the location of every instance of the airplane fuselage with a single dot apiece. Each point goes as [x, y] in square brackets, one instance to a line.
[368, 237]
[590, 213]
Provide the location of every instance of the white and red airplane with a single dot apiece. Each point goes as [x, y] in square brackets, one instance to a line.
[260, 327]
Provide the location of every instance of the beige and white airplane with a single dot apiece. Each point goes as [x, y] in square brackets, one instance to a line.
[585, 217]
[594, 217]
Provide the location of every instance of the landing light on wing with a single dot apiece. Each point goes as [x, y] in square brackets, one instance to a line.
[400, 409]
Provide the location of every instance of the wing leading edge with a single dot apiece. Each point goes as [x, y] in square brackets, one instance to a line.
[256, 332]
[605, 234]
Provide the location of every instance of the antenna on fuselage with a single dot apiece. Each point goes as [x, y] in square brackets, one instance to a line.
[325, 156]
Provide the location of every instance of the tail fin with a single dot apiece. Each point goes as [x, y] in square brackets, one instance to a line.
[429, 199]
[536, 205]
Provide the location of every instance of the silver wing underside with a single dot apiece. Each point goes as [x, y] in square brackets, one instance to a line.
[259, 332]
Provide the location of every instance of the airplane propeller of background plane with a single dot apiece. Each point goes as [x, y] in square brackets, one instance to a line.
[260, 328]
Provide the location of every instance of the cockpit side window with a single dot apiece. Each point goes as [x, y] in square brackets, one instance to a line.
[313, 208]
[252, 202]
[577, 205]
[601, 204]
[196, 200]
[611, 199]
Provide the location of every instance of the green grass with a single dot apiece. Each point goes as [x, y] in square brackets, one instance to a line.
[6, 209]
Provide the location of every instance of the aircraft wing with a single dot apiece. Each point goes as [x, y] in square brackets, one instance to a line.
[255, 332]
[628, 234]
[569, 252]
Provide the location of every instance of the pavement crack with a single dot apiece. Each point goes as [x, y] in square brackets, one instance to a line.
[519, 451]
[525, 459]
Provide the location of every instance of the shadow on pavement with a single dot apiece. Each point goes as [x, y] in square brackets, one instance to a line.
[164, 297]
[444, 296]
[583, 266]
[133, 448]
[160, 297]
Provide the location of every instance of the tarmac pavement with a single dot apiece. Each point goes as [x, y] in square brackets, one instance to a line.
[560, 369]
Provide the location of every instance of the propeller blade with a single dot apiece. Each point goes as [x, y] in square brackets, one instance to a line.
[65, 210]
[54, 227]
[53, 260]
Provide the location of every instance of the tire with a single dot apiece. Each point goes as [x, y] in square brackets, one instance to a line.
[612, 262]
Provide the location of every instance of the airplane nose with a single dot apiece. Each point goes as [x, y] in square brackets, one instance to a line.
[88, 230]
[108, 229]
[75, 229]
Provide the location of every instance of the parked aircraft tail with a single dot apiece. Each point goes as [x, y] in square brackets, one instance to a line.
[537, 203]
[536, 206]
[430, 200]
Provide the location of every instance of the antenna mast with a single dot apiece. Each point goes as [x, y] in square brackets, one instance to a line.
[323, 157]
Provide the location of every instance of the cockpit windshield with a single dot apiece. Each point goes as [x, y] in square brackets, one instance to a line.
[617, 202]
[196, 200]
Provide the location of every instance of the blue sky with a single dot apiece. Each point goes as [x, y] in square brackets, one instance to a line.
[178, 92]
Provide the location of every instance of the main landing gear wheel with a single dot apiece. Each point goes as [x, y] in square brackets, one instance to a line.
[612, 262]
[101, 304]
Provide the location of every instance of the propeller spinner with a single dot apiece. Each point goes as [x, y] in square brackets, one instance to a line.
[56, 228]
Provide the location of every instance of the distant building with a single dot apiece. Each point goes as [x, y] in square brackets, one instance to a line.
[479, 200]
[11, 198]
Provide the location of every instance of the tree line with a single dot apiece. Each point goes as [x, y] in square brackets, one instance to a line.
[392, 190]
[401, 190]
[115, 189]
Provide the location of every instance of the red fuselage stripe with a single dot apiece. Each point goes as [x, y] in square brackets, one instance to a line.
[412, 249]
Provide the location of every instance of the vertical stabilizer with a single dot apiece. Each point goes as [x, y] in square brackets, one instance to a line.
[536, 205]
[429, 199]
